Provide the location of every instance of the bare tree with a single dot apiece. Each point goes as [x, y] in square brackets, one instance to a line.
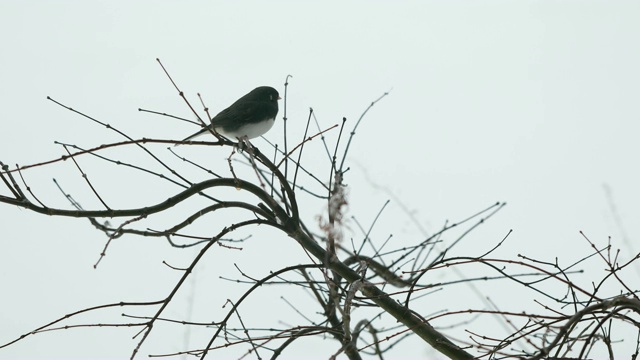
[368, 297]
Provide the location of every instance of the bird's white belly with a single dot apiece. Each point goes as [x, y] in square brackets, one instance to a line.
[250, 130]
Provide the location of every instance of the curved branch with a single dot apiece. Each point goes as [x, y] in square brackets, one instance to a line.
[258, 284]
[191, 219]
[620, 301]
[401, 313]
[68, 316]
[144, 211]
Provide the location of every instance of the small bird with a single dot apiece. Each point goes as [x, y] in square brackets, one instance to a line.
[249, 117]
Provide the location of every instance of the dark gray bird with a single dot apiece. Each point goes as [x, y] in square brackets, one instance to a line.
[249, 117]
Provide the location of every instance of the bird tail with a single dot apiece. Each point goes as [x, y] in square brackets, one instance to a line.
[202, 131]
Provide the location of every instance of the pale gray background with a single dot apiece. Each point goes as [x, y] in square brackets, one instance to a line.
[531, 102]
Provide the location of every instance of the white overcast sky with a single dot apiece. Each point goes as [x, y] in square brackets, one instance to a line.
[530, 102]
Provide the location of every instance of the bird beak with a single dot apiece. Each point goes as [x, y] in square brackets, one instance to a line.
[279, 98]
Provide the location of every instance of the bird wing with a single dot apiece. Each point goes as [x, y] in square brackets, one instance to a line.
[243, 111]
[233, 117]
